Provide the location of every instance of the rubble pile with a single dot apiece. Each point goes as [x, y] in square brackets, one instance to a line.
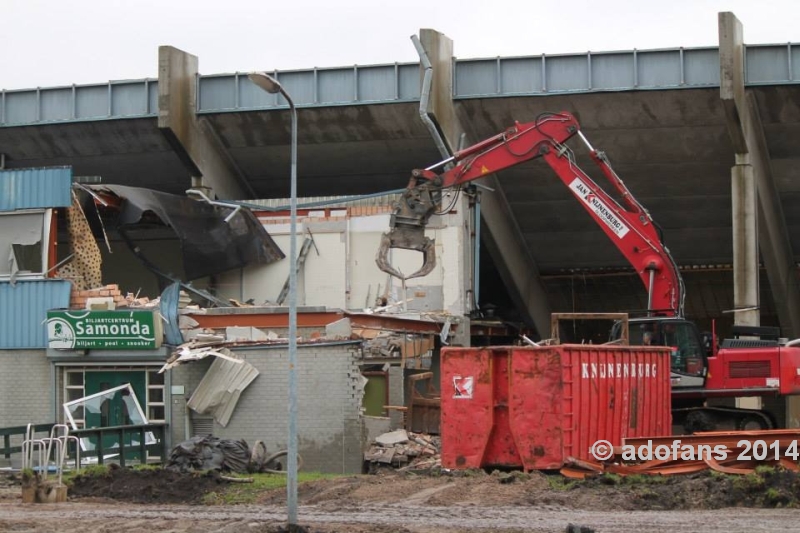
[384, 345]
[109, 297]
[413, 351]
[405, 450]
[131, 300]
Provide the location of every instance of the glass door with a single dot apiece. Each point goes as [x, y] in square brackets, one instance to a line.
[117, 408]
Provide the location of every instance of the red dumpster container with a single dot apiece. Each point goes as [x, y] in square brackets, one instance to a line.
[533, 408]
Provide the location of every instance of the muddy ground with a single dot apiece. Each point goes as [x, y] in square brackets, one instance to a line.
[425, 502]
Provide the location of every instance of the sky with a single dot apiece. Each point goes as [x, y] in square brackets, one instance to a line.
[45, 43]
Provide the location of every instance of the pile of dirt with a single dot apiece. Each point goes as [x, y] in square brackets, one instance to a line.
[766, 488]
[145, 486]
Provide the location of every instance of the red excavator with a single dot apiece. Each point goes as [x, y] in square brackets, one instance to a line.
[755, 363]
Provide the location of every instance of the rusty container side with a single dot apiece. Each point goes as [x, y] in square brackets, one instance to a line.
[535, 407]
[611, 393]
[467, 413]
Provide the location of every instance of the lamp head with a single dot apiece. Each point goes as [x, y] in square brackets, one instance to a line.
[265, 81]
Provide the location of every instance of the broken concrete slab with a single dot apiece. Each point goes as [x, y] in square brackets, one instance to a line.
[246, 333]
[339, 329]
[380, 455]
[187, 322]
[376, 425]
[393, 437]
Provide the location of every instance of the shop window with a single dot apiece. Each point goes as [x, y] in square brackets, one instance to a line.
[156, 411]
[73, 390]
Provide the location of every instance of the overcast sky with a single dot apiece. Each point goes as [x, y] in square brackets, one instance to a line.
[61, 42]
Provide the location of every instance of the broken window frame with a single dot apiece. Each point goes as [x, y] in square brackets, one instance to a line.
[156, 390]
[106, 394]
[44, 243]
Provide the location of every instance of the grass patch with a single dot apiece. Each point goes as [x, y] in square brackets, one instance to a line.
[147, 467]
[749, 482]
[225, 493]
[608, 478]
[560, 483]
[239, 493]
[89, 471]
[644, 479]
[69, 476]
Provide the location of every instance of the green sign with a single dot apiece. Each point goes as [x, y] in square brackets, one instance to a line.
[104, 330]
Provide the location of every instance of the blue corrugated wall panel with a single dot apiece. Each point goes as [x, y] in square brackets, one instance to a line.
[23, 310]
[34, 188]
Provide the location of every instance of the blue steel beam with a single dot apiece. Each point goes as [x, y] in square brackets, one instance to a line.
[675, 68]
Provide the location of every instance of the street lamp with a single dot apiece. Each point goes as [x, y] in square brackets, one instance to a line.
[271, 85]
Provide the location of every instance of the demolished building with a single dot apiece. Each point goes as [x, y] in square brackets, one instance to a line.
[194, 320]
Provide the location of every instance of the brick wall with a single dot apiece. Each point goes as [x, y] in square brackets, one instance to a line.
[25, 390]
[77, 299]
[329, 425]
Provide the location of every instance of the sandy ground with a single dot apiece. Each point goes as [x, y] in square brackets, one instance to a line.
[418, 518]
[418, 504]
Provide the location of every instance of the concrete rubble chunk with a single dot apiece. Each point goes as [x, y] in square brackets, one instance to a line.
[187, 322]
[380, 455]
[247, 333]
[393, 437]
[339, 329]
[191, 334]
[210, 337]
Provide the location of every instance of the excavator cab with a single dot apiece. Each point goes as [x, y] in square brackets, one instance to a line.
[688, 360]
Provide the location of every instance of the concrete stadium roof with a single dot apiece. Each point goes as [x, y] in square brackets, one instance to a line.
[657, 114]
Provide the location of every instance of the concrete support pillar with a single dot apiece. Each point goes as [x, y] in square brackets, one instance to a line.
[439, 49]
[745, 243]
[758, 225]
[453, 253]
[501, 233]
[747, 135]
[193, 138]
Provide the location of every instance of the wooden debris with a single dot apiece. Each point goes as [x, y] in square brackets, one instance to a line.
[236, 479]
[728, 452]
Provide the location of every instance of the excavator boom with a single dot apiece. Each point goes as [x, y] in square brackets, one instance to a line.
[626, 223]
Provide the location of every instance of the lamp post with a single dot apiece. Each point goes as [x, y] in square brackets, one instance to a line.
[271, 85]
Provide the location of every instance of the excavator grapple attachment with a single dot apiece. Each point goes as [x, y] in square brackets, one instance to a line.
[410, 215]
[407, 238]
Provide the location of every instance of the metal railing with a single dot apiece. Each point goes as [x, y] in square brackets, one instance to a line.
[120, 452]
[9, 433]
